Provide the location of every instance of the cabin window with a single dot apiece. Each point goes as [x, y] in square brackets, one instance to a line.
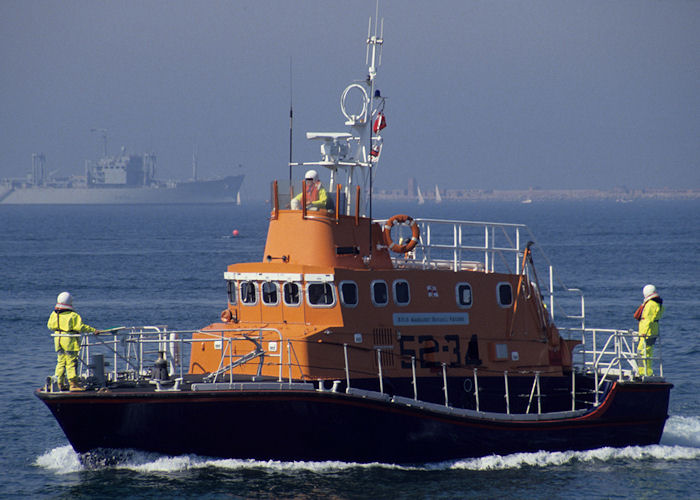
[402, 294]
[269, 293]
[320, 294]
[249, 293]
[505, 294]
[291, 294]
[348, 293]
[464, 295]
[380, 293]
[231, 290]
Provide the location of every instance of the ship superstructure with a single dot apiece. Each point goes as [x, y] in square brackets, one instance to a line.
[125, 178]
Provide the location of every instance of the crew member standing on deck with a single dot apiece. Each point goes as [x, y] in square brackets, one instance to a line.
[316, 195]
[67, 325]
[648, 315]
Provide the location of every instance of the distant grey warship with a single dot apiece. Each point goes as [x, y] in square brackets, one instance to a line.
[122, 179]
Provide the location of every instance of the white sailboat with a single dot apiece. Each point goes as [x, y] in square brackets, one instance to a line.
[421, 200]
[438, 198]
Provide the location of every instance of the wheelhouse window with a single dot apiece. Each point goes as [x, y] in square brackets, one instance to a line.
[291, 294]
[380, 293]
[269, 293]
[249, 292]
[348, 293]
[402, 294]
[231, 291]
[464, 295]
[320, 294]
[505, 294]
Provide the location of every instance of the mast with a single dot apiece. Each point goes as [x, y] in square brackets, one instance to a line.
[194, 163]
[352, 157]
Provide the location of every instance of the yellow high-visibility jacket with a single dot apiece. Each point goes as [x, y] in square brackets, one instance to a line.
[67, 322]
[316, 195]
[649, 324]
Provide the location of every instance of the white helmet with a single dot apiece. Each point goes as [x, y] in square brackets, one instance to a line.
[649, 291]
[311, 175]
[64, 301]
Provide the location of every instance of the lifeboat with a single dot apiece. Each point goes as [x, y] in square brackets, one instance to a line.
[359, 338]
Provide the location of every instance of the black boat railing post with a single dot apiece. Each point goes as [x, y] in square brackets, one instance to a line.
[141, 342]
[414, 382]
[114, 367]
[518, 270]
[476, 388]
[455, 247]
[229, 346]
[507, 395]
[347, 369]
[534, 390]
[595, 378]
[444, 383]
[379, 364]
[86, 341]
[182, 354]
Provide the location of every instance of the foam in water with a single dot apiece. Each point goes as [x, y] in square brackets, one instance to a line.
[681, 441]
[61, 460]
[682, 431]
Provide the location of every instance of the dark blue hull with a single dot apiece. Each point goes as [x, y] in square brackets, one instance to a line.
[312, 425]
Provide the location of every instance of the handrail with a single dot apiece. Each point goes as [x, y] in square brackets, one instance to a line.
[129, 347]
[606, 354]
[488, 247]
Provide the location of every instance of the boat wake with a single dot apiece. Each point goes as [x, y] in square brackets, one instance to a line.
[680, 441]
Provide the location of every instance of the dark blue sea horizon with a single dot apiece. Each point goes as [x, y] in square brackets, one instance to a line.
[134, 265]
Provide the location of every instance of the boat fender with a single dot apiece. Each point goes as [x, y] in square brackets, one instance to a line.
[226, 316]
[415, 233]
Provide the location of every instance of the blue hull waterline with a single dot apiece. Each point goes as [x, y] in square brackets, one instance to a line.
[279, 421]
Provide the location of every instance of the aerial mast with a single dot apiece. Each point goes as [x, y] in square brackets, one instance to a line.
[103, 133]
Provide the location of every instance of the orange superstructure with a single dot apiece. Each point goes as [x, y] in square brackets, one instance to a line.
[327, 295]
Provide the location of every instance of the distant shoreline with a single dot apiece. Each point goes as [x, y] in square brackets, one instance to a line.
[532, 195]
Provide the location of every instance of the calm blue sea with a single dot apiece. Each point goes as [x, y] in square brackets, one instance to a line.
[138, 265]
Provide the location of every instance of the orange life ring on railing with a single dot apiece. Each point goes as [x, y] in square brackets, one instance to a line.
[415, 233]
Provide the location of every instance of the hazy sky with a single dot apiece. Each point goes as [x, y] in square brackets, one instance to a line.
[482, 94]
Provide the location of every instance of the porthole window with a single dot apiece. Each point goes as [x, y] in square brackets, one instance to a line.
[505, 294]
[291, 294]
[402, 294]
[464, 295]
[320, 294]
[231, 290]
[380, 293]
[249, 293]
[348, 293]
[269, 293]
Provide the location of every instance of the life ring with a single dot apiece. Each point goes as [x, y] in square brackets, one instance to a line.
[415, 233]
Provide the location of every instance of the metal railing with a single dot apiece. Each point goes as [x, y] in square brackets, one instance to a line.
[488, 247]
[605, 354]
[612, 354]
[132, 351]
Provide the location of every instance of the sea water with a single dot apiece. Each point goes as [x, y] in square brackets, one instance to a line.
[132, 265]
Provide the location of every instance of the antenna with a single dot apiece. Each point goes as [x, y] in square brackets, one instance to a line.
[194, 162]
[291, 123]
[103, 133]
